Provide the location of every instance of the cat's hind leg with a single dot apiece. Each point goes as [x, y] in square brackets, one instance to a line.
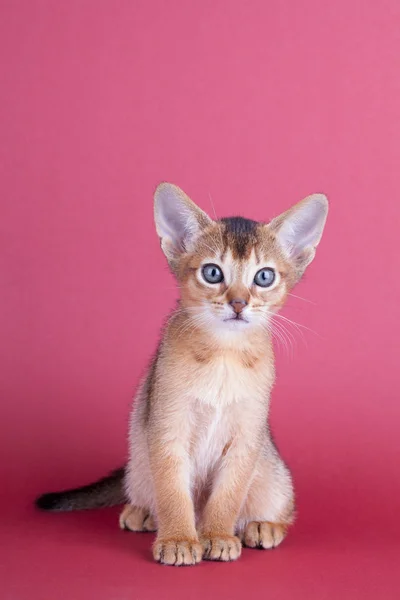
[134, 518]
[269, 507]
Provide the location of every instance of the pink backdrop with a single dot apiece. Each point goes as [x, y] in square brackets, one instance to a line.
[258, 104]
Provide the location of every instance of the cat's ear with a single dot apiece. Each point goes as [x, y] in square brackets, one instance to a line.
[299, 230]
[178, 220]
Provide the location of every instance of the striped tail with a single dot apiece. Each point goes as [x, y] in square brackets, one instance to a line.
[108, 491]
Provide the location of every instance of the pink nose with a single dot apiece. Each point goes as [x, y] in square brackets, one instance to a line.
[238, 305]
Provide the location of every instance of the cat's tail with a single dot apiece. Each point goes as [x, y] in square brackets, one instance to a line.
[108, 491]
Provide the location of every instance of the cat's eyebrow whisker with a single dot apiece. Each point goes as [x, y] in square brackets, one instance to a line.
[212, 206]
[216, 219]
[214, 251]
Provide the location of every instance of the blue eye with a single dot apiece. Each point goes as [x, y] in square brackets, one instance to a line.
[264, 277]
[212, 274]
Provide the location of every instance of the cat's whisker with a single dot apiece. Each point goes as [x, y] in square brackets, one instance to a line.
[301, 298]
[288, 335]
[284, 336]
[280, 340]
[216, 219]
[283, 327]
[284, 324]
[212, 206]
[298, 326]
[186, 326]
[185, 414]
[281, 332]
[198, 319]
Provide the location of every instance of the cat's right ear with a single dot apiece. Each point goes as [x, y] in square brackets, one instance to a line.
[178, 220]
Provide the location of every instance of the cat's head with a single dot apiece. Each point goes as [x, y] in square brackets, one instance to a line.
[235, 273]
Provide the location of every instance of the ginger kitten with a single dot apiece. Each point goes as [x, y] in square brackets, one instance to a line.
[203, 470]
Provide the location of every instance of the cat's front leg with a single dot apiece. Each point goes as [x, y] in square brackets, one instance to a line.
[218, 523]
[177, 542]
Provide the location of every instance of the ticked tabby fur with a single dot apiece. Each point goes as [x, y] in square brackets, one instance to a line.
[203, 470]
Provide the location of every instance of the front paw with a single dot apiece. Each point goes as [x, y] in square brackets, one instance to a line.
[177, 551]
[221, 547]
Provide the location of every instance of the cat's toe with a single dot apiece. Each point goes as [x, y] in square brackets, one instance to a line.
[177, 552]
[133, 518]
[224, 548]
[265, 535]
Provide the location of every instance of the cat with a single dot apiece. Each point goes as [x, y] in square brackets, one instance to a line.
[203, 469]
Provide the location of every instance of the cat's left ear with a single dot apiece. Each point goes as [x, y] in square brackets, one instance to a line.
[178, 220]
[299, 230]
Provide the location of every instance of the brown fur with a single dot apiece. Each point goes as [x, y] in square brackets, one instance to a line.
[231, 495]
[203, 468]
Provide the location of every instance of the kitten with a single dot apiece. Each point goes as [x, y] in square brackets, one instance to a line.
[203, 469]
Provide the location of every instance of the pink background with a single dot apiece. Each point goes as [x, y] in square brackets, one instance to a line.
[258, 104]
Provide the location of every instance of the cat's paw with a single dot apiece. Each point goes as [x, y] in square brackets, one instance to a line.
[177, 551]
[133, 518]
[221, 547]
[265, 535]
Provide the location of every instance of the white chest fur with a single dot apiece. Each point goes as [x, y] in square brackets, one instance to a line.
[225, 397]
[224, 381]
[212, 430]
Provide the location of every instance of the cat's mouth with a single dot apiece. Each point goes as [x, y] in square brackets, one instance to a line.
[236, 318]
